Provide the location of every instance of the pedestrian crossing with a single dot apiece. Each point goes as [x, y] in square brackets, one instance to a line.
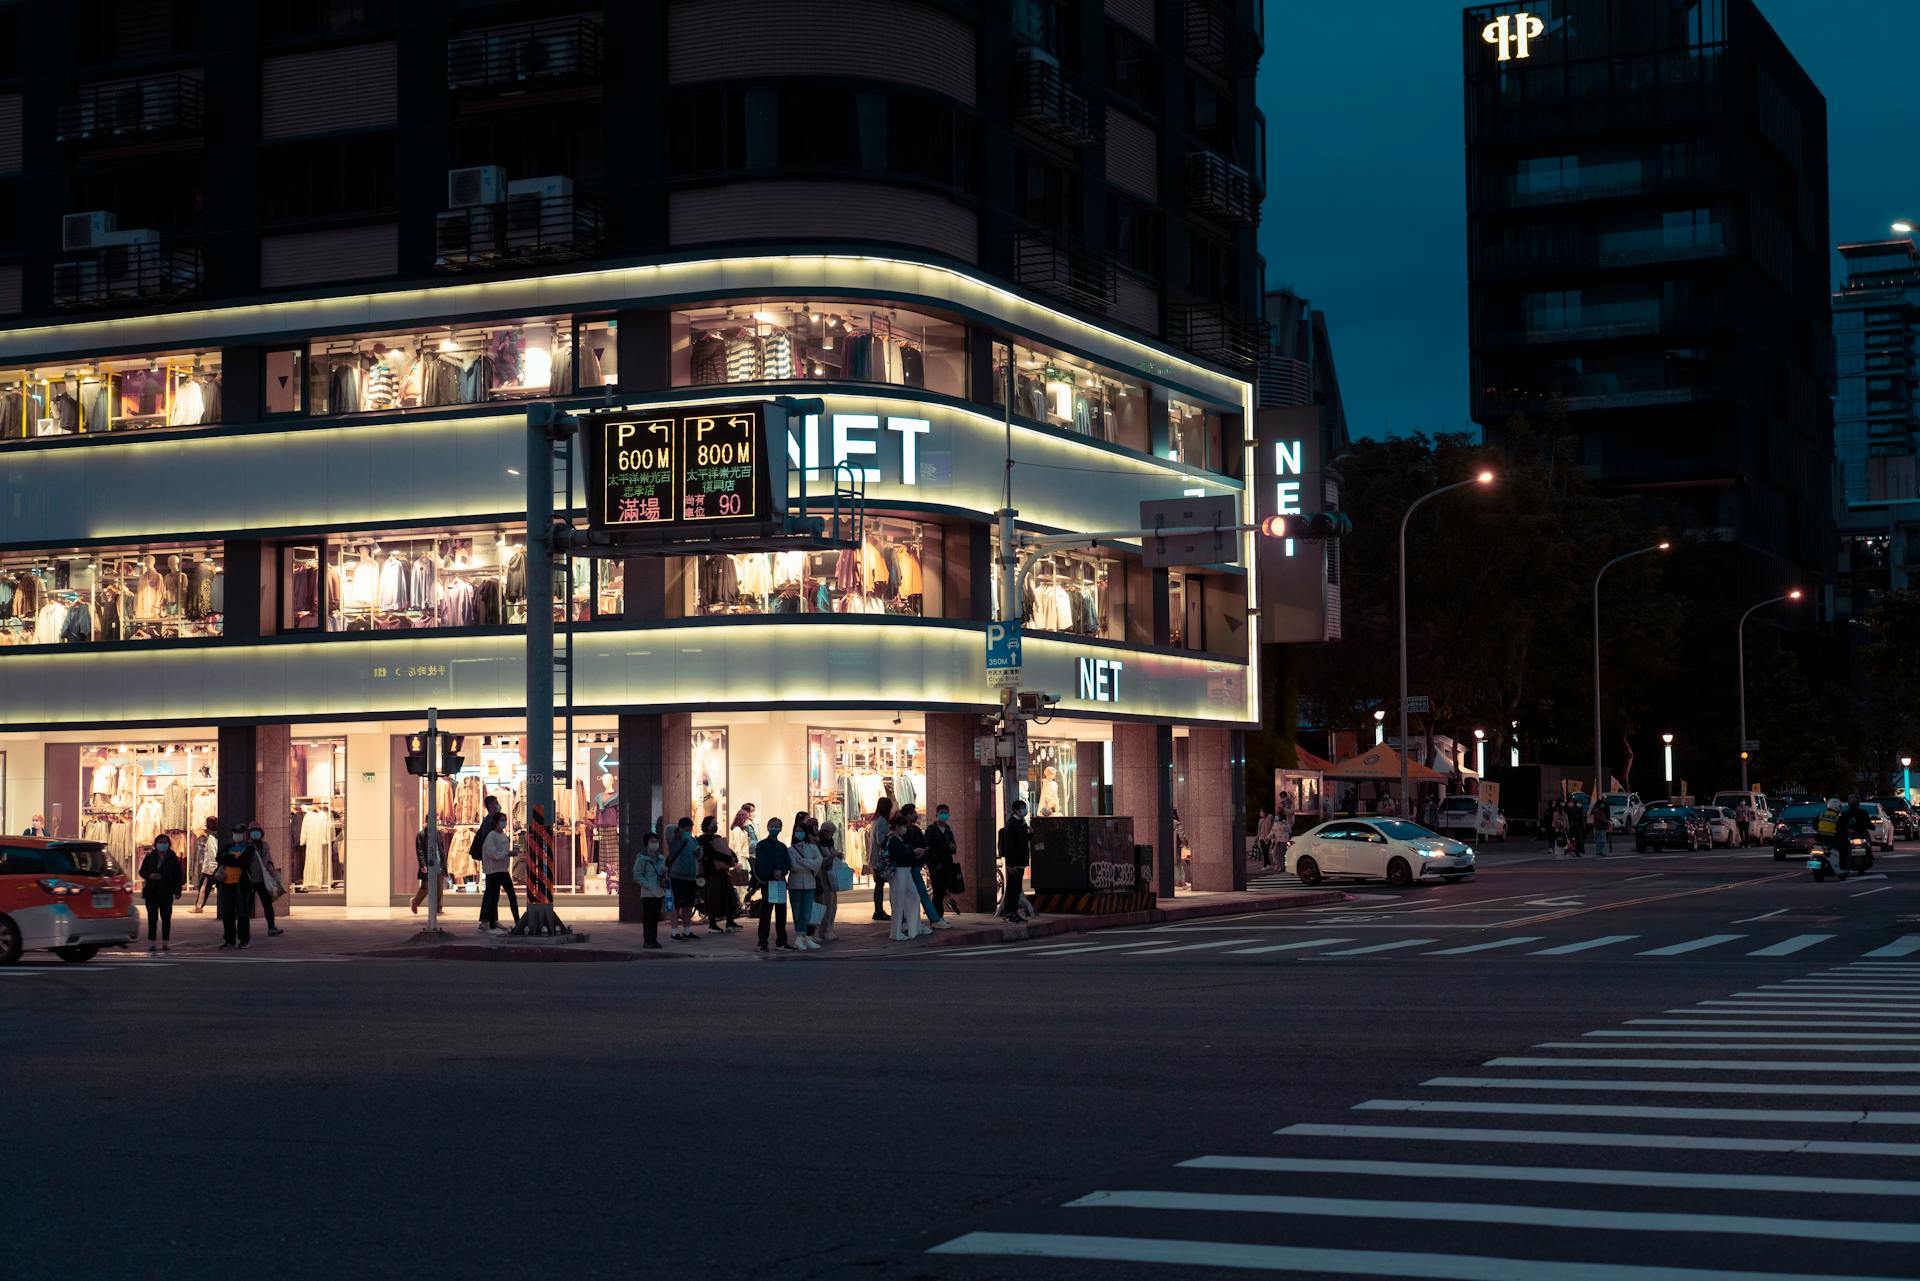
[1556, 1165]
[1885, 983]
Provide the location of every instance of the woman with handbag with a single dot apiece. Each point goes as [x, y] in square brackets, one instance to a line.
[803, 881]
[265, 879]
[161, 879]
[879, 832]
[835, 875]
[718, 899]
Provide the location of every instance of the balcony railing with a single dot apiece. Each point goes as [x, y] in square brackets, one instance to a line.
[1600, 321]
[1598, 182]
[1215, 331]
[1285, 381]
[1051, 101]
[1066, 267]
[521, 229]
[119, 275]
[1218, 187]
[1217, 40]
[133, 111]
[1614, 249]
[530, 55]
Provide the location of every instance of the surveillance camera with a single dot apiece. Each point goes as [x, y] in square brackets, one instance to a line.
[1033, 700]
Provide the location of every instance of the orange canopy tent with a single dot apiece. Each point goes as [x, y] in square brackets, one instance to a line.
[1382, 763]
[1311, 764]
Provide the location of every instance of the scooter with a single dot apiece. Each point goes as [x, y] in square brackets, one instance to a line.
[1824, 862]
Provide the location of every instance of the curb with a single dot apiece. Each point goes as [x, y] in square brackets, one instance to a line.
[1154, 916]
[494, 952]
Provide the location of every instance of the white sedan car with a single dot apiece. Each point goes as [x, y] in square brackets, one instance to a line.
[1721, 824]
[1881, 828]
[1390, 848]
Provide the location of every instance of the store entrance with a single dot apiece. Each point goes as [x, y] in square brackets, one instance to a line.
[126, 794]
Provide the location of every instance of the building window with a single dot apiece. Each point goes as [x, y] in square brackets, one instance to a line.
[166, 592]
[1080, 592]
[1211, 270]
[836, 131]
[1193, 435]
[1137, 236]
[896, 570]
[1047, 194]
[458, 365]
[1073, 394]
[133, 393]
[1133, 69]
[328, 178]
[772, 341]
[533, 144]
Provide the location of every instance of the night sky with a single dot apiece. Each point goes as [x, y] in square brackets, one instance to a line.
[1366, 174]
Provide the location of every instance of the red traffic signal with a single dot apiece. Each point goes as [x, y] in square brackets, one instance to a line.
[1307, 526]
[1274, 527]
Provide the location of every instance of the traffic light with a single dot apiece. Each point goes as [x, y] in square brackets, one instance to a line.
[420, 756]
[1316, 525]
[450, 757]
[417, 754]
[1274, 527]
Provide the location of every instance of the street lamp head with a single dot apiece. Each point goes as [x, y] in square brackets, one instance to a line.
[1795, 594]
[1484, 478]
[1667, 739]
[1903, 228]
[1664, 546]
[1906, 762]
[1380, 715]
[1479, 733]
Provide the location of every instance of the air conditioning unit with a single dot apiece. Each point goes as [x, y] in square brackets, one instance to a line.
[554, 184]
[466, 61]
[83, 230]
[479, 185]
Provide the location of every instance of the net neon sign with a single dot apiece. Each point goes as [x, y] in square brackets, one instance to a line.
[1511, 32]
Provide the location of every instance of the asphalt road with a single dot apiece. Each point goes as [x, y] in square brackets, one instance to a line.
[1030, 1111]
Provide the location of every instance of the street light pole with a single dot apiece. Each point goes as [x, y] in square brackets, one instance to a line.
[1484, 478]
[1667, 740]
[1480, 752]
[1740, 653]
[1906, 779]
[1599, 768]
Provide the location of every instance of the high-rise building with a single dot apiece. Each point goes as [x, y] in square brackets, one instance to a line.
[1647, 248]
[283, 277]
[1876, 420]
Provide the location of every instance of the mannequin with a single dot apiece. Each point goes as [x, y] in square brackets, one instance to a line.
[175, 586]
[1049, 791]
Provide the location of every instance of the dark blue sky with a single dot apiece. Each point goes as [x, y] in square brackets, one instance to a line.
[1366, 202]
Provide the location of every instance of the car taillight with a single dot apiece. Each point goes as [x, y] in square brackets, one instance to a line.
[61, 889]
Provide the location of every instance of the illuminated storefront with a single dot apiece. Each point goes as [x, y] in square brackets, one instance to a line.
[354, 517]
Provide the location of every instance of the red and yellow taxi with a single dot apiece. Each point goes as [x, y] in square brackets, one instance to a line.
[65, 897]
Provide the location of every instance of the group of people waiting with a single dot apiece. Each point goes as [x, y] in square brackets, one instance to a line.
[238, 871]
[1569, 822]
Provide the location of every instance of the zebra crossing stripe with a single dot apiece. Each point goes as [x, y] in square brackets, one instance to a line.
[1187, 947]
[1568, 949]
[1905, 945]
[1796, 1088]
[1693, 945]
[1602, 1139]
[1380, 947]
[1286, 947]
[1814, 1036]
[1540, 1216]
[1787, 947]
[1708, 1065]
[1812, 1116]
[1486, 947]
[1548, 1174]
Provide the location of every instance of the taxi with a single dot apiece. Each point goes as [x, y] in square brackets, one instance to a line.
[62, 896]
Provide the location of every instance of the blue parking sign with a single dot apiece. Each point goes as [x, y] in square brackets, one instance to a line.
[1003, 646]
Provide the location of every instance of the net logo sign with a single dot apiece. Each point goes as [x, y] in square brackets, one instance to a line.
[1511, 32]
[1100, 679]
[1287, 470]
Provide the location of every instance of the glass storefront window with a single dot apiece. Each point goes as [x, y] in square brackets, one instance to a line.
[848, 771]
[1193, 435]
[317, 826]
[133, 393]
[455, 365]
[1073, 394]
[148, 593]
[598, 342]
[127, 794]
[1050, 783]
[1082, 593]
[896, 570]
[709, 778]
[772, 341]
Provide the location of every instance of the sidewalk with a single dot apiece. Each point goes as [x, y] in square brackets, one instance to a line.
[316, 933]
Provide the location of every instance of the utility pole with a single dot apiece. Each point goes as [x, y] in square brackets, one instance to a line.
[435, 859]
[1013, 726]
[545, 426]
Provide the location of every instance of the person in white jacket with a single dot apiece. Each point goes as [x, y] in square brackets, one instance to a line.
[803, 880]
[496, 858]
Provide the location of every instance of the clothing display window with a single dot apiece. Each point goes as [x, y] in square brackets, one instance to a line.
[1193, 435]
[773, 341]
[710, 777]
[179, 389]
[610, 596]
[848, 771]
[895, 570]
[1082, 593]
[131, 793]
[1073, 394]
[585, 827]
[101, 596]
[459, 365]
[317, 824]
[399, 583]
[1049, 785]
[598, 342]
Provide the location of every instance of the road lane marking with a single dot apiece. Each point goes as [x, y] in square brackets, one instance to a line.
[1538, 1216]
[1365, 1263]
[1814, 1036]
[1905, 1043]
[1379, 947]
[1874, 1007]
[1748, 920]
[1706, 1065]
[1787, 947]
[1851, 998]
[1651, 898]
[1602, 1139]
[1066, 949]
[1549, 1174]
[1658, 1087]
[1187, 947]
[1906, 945]
[1834, 1023]
[1692, 945]
[1881, 889]
[1648, 877]
[1568, 949]
[1789, 1116]
[1487, 947]
[1286, 947]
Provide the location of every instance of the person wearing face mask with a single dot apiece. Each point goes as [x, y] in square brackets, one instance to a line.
[209, 859]
[1015, 842]
[650, 879]
[771, 864]
[803, 881]
[943, 853]
[262, 878]
[162, 877]
[827, 838]
[683, 870]
[496, 861]
[236, 926]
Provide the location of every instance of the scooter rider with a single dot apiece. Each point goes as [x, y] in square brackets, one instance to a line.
[1854, 822]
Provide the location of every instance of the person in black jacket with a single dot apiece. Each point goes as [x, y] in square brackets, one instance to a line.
[162, 877]
[943, 852]
[771, 863]
[1015, 841]
[236, 892]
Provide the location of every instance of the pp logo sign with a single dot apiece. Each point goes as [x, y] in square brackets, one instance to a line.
[1511, 32]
